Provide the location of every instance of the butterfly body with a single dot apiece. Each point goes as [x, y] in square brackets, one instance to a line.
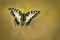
[23, 18]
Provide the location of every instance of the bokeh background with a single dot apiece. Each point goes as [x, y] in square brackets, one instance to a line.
[46, 26]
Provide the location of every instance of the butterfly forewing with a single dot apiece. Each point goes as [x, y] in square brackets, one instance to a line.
[16, 13]
[30, 16]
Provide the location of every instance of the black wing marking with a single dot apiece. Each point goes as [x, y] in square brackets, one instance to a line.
[16, 21]
[30, 15]
[16, 14]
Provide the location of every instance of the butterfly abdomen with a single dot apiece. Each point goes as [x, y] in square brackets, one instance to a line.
[23, 17]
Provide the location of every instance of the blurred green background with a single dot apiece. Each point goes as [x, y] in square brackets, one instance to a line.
[46, 26]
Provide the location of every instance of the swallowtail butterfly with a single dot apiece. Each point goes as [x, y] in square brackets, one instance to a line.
[23, 18]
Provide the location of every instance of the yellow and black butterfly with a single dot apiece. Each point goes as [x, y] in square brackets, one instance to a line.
[23, 18]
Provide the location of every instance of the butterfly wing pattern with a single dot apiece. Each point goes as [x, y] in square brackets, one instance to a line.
[16, 14]
[30, 16]
[23, 18]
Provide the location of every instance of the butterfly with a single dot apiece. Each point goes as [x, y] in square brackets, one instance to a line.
[23, 18]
